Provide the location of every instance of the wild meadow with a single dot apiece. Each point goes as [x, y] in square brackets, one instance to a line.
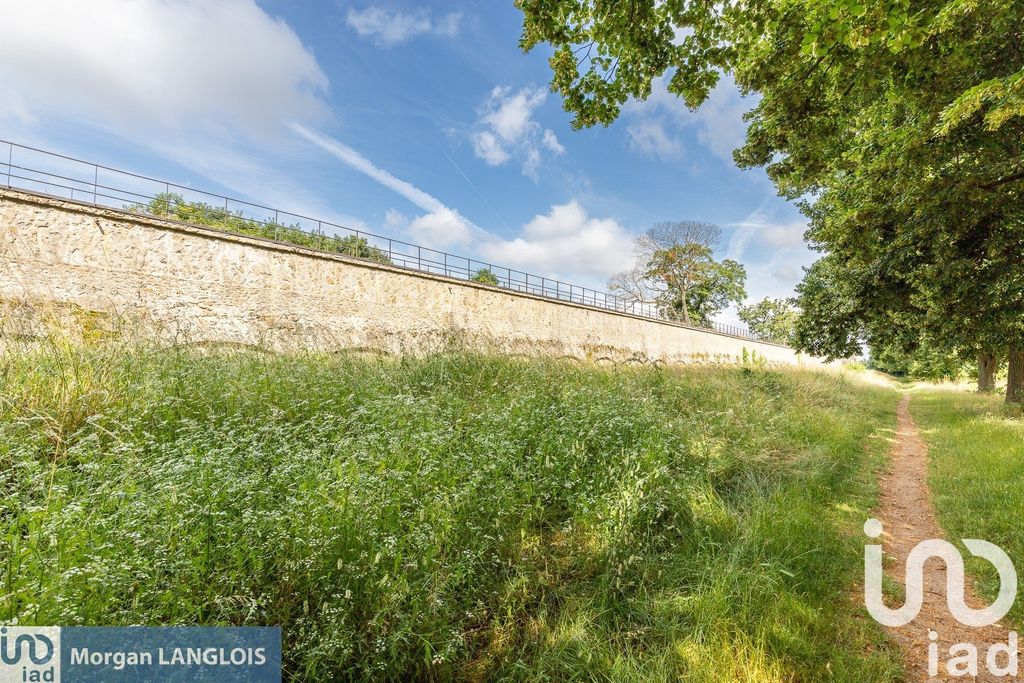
[453, 517]
[976, 472]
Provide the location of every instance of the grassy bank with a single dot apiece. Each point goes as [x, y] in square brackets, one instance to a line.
[454, 517]
[976, 450]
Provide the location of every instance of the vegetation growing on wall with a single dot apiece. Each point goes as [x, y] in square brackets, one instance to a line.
[486, 277]
[174, 206]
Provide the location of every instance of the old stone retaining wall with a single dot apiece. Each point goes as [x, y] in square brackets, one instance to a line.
[90, 270]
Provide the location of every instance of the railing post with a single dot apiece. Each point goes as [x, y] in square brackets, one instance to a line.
[95, 181]
[10, 160]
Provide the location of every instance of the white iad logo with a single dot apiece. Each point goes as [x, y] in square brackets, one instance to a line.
[962, 659]
[914, 581]
[29, 654]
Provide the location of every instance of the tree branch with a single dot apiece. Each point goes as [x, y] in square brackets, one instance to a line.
[1003, 181]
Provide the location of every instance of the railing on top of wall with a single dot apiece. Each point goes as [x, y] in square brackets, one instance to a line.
[42, 172]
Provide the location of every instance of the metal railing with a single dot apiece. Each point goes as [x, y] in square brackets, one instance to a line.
[41, 172]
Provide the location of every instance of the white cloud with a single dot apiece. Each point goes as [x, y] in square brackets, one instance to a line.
[394, 219]
[197, 83]
[657, 123]
[487, 147]
[551, 142]
[506, 129]
[147, 67]
[392, 27]
[566, 242]
[440, 227]
[648, 136]
[772, 250]
[720, 121]
[786, 272]
[767, 231]
[784, 235]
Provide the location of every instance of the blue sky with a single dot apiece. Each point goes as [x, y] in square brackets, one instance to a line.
[422, 121]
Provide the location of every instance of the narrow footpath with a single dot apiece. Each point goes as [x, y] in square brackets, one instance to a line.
[908, 517]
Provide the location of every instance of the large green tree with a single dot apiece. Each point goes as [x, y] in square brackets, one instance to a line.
[898, 122]
[676, 271]
[774, 319]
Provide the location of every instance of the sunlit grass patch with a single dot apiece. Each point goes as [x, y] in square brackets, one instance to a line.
[976, 449]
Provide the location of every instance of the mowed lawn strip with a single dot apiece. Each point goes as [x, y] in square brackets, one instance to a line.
[454, 517]
[976, 473]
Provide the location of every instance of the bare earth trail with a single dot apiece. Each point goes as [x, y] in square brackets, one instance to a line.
[908, 517]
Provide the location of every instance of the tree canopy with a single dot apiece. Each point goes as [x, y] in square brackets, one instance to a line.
[774, 319]
[898, 124]
[676, 271]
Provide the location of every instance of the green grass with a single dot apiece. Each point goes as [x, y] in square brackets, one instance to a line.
[455, 517]
[976, 451]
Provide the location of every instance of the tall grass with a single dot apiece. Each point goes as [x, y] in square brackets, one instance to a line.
[455, 517]
[976, 451]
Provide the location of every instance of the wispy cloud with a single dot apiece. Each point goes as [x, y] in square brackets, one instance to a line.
[649, 137]
[772, 249]
[392, 27]
[565, 242]
[506, 129]
[657, 124]
[441, 225]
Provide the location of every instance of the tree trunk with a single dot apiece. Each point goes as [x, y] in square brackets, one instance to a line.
[686, 308]
[1015, 382]
[986, 372]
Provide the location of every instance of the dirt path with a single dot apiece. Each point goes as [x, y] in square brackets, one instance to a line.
[908, 517]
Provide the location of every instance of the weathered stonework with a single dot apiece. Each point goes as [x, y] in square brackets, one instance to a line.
[63, 262]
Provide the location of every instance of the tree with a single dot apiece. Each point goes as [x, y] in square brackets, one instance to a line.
[724, 283]
[774, 319]
[927, 361]
[486, 277]
[903, 124]
[360, 247]
[675, 270]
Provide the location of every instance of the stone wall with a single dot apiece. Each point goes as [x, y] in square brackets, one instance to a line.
[92, 270]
